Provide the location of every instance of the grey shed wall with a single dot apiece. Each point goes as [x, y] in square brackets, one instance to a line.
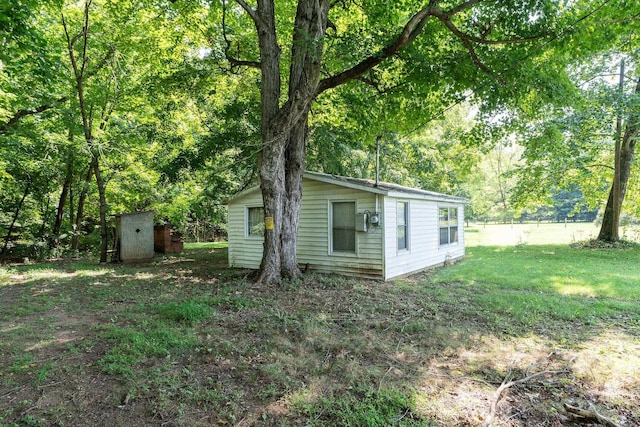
[135, 234]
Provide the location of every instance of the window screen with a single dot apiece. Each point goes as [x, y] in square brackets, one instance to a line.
[402, 219]
[255, 221]
[344, 227]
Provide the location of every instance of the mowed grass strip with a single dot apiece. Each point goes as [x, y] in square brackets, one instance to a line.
[538, 284]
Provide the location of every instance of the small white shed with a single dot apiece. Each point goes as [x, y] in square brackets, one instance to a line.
[134, 233]
[356, 227]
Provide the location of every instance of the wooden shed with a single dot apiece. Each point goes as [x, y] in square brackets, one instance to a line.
[134, 234]
[356, 227]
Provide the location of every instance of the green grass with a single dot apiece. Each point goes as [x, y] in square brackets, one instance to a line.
[186, 341]
[555, 233]
[540, 284]
[361, 407]
[205, 245]
[190, 312]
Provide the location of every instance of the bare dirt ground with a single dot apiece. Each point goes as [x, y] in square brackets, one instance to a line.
[185, 342]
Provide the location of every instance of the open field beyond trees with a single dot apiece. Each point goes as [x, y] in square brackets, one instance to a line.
[184, 341]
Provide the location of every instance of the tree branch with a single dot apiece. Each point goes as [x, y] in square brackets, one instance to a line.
[507, 384]
[479, 64]
[409, 33]
[445, 18]
[25, 112]
[599, 165]
[103, 62]
[232, 60]
[251, 11]
[406, 36]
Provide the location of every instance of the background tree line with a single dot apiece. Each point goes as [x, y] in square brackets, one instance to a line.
[109, 107]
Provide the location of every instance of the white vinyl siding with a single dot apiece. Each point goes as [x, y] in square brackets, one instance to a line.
[314, 236]
[245, 250]
[424, 238]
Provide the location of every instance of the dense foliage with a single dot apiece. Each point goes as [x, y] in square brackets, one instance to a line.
[170, 111]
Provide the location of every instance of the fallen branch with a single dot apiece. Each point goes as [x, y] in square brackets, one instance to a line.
[505, 385]
[591, 414]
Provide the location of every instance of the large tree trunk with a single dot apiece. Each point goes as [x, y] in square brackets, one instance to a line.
[610, 220]
[285, 130]
[271, 159]
[272, 185]
[295, 163]
[285, 127]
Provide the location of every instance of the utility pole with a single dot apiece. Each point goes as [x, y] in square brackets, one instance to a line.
[378, 138]
[617, 196]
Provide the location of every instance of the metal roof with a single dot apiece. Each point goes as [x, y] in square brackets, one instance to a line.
[369, 185]
[381, 187]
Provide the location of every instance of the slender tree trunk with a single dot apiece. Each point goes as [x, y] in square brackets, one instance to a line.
[64, 195]
[79, 69]
[610, 224]
[45, 216]
[104, 243]
[80, 213]
[15, 216]
[611, 217]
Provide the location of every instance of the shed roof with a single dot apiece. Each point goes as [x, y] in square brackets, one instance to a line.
[384, 188]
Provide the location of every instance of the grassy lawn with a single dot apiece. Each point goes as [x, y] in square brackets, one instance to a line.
[184, 341]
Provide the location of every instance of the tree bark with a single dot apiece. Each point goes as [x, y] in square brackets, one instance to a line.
[80, 213]
[15, 216]
[104, 244]
[611, 220]
[271, 158]
[64, 195]
[295, 160]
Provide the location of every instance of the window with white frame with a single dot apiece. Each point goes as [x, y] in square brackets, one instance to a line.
[255, 221]
[343, 227]
[448, 222]
[402, 221]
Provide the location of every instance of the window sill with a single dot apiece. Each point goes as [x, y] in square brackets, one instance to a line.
[344, 254]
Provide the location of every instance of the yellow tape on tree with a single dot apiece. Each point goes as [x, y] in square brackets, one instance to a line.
[268, 222]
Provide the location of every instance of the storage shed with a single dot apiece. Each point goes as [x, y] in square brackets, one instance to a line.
[356, 227]
[134, 234]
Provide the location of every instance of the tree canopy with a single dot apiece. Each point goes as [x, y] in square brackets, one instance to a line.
[175, 106]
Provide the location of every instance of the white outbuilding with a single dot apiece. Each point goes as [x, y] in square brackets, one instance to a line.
[356, 227]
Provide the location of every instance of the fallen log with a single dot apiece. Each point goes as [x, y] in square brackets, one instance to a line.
[591, 414]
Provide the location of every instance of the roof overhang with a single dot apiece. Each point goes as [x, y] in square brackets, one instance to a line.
[382, 188]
